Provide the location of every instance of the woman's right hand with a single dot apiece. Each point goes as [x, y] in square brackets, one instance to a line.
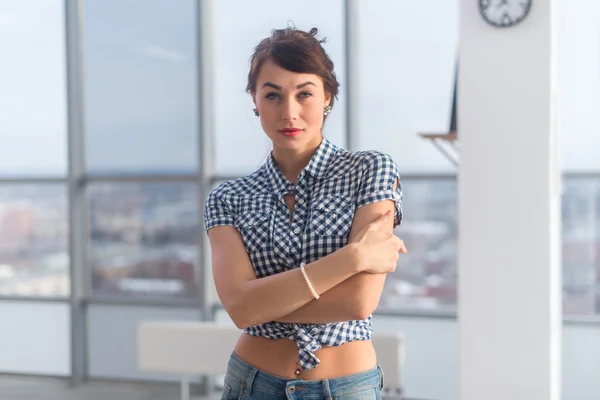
[377, 251]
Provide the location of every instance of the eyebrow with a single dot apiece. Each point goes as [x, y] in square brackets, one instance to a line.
[277, 87]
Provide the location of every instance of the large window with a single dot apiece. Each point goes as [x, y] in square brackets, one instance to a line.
[34, 258]
[407, 52]
[426, 278]
[581, 246]
[140, 74]
[144, 239]
[142, 123]
[32, 95]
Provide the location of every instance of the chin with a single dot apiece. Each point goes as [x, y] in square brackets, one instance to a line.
[299, 142]
[289, 144]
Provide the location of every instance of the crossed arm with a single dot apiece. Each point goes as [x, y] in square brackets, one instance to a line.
[356, 297]
[284, 297]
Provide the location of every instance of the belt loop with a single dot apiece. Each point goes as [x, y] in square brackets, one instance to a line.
[326, 389]
[250, 381]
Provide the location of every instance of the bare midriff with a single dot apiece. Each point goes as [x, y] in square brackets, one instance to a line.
[280, 357]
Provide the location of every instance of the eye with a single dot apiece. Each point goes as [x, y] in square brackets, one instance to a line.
[305, 95]
[272, 96]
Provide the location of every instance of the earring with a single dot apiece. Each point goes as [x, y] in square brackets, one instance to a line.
[256, 112]
[326, 110]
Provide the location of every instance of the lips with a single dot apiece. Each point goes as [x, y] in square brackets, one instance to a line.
[290, 131]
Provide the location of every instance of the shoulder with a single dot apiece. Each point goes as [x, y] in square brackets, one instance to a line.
[370, 160]
[375, 157]
[227, 191]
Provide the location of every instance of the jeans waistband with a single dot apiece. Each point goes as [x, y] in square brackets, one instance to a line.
[253, 377]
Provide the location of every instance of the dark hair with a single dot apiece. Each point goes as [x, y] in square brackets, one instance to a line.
[297, 51]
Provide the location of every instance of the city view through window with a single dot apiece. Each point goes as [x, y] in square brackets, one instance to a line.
[143, 242]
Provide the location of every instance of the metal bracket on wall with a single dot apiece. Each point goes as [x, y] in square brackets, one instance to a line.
[446, 143]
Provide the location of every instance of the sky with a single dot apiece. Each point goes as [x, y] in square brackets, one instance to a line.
[141, 82]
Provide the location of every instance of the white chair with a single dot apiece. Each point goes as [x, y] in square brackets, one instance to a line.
[390, 355]
[185, 348]
[203, 349]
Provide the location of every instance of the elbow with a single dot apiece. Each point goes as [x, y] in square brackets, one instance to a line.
[242, 315]
[237, 314]
[240, 324]
[239, 317]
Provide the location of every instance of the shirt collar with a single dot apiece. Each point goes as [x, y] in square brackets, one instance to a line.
[317, 167]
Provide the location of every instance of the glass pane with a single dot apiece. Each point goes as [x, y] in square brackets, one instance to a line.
[44, 329]
[426, 277]
[577, 77]
[140, 70]
[581, 246]
[406, 81]
[34, 259]
[112, 345]
[33, 123]
[144, 238]
[240, 142]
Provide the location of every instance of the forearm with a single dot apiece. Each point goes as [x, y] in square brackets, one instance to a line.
[354, 299]
[268, 299]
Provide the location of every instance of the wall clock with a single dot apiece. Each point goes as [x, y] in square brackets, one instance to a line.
[504, 13]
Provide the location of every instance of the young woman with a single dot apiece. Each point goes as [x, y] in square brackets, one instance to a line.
[301, 247]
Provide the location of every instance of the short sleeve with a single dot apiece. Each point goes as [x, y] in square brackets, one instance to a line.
[216, 211]
[379, 177]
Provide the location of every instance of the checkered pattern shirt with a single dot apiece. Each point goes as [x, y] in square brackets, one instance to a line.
[333, 185]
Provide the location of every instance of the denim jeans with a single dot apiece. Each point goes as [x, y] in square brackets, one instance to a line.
[243, 381]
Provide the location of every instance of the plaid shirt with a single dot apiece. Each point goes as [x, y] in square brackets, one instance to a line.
[332, 186]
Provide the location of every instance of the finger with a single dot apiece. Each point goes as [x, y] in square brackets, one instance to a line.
[403, 249]
[401, 246]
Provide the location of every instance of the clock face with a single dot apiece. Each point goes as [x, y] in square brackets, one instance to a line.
[504, 13]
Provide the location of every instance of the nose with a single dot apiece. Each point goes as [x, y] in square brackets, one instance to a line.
[290, 110]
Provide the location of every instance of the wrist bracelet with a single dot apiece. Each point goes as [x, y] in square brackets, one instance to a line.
[310, 286]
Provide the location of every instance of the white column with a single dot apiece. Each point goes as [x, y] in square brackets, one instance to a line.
[509, 208]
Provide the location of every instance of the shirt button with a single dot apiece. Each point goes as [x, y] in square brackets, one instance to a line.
[300, 201]
[297, 231]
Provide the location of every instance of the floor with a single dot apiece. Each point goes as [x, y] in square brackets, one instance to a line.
[35, 388]
[18, 388]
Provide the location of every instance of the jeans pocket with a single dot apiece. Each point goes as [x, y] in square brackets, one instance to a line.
[226, 391]
[381, 377]
[232, 388]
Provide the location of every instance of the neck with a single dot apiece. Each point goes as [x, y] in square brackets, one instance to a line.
[291, 162]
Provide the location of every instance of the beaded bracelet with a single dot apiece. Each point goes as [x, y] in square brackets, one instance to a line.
[310, 286]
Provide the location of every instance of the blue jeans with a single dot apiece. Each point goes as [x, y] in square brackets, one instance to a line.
[243, 381]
